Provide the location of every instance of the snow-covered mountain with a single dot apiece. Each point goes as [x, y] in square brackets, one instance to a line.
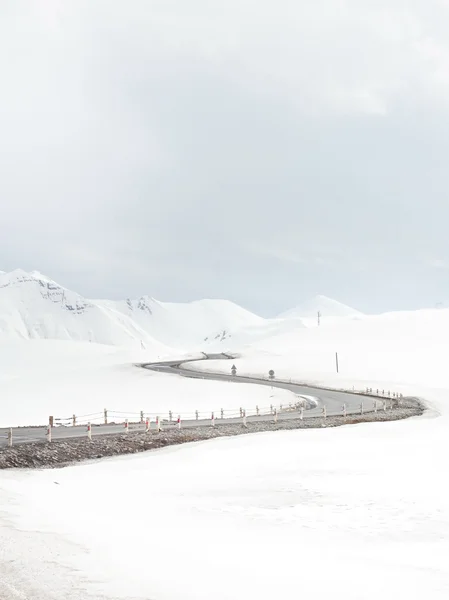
[33, 306]
[323, 305]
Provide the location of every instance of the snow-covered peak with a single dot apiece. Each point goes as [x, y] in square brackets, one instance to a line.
[34, 306]
[327, 307]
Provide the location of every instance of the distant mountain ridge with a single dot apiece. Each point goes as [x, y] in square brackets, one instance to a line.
[33, 306]
[327, 307]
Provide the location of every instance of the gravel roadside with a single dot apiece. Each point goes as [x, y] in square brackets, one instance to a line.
[66, 452]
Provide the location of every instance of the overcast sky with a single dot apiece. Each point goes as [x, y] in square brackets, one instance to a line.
[253, 150]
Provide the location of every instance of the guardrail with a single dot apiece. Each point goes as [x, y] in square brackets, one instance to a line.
[380, 400]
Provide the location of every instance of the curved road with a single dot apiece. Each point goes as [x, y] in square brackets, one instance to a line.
[332, 400]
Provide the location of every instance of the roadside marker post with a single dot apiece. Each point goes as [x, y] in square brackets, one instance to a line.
[147, 425]
[10, 437]
[89, 432]
[344, 411]
[105, 413]
[158, 424]
[142, 418]
[213, 420]
[302, 413]
[361, 408]
[245, 424]
[375, 406]
[126, 427]
[179, 421]
[275, 415]
[48, 434]
[222, 413]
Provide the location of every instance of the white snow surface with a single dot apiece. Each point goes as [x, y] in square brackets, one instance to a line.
[398, 351]
[327, 307]
[39, 378]
[33, 306]
[356, 513]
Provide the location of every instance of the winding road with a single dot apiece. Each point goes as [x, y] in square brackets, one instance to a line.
[332, 400]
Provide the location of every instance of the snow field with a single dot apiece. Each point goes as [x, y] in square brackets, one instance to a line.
[47, 377]
[402, 352]
[359, 512]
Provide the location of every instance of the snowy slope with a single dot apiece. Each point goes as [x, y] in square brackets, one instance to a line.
[248, 335]
[33, 306]
[393, 349]
[358, 512]
[61, 378]
[327, 307]
[366, 505]
[182, 325]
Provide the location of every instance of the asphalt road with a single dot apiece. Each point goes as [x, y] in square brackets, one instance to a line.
[332, 400]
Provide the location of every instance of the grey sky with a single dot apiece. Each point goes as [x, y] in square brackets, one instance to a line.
[252, 150]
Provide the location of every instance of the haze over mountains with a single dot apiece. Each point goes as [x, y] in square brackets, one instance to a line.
[33, 306]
